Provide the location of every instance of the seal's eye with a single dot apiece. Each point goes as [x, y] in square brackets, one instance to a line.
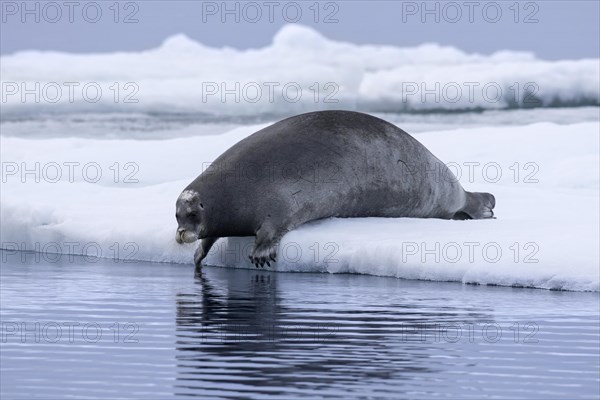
[201, 205]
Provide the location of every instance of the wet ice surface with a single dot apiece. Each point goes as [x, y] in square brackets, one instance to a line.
[142, 330]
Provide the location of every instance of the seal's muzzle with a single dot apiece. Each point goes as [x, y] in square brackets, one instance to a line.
[182, 236]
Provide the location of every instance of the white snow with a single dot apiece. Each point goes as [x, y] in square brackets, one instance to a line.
[547, 226]
[185, 76]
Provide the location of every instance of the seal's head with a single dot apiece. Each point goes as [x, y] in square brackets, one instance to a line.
[188, 212]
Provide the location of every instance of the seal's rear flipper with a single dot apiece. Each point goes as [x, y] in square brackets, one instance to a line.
[478, 206]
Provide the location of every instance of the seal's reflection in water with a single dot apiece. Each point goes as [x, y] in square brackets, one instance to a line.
[238, 332]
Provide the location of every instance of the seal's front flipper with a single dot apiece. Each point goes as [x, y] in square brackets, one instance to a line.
[264, 253]
[203, 250]
[265, 246]
[477, 206]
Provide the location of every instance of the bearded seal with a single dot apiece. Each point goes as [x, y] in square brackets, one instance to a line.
[318, 165]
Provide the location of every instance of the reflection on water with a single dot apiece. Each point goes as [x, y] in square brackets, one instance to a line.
[279, 349]
[165, 331]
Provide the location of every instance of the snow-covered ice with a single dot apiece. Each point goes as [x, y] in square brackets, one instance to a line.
[299, 68]
[74, 180]
[546, 233]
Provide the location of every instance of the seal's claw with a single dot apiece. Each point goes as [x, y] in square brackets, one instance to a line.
[265, 252]
[255, 261]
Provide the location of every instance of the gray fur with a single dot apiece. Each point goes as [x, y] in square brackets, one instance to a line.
[319, 165]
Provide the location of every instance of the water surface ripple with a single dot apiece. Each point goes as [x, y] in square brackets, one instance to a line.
[138, 330]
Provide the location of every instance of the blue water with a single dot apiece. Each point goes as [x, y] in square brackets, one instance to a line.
[143, 126]
[139, 330]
